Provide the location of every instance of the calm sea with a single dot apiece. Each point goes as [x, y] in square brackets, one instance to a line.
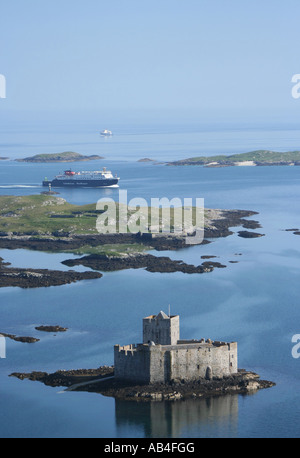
[254, 301]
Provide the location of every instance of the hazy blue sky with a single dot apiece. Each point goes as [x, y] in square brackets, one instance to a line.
[204, 58]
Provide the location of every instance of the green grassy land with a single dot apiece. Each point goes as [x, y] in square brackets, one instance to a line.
[67, 156]
[256, 156]
[44, 215]
[50, 216]
[111, 249]
[47, 214]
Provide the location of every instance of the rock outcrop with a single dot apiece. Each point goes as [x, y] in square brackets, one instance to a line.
[102, 381]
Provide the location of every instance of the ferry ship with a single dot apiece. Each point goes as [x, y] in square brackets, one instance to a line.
[96, 179]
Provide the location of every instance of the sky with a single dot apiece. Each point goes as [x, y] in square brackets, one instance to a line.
[204, 59]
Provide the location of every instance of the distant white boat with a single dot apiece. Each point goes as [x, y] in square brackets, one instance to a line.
[106, 133]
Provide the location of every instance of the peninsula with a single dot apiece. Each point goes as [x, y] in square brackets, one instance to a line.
[67, 156]
[253, 158]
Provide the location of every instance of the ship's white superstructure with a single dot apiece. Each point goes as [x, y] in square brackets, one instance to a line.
[86, 175]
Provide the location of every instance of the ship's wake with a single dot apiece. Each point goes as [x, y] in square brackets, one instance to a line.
[16, 186]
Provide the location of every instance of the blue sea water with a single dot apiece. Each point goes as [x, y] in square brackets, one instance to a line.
[254, 301]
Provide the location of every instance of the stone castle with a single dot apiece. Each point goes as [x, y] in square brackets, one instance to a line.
[163, 357]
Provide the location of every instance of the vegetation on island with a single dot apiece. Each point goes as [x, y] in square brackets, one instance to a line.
[39, 216]
[46, 215]
[67, 156]
[49, 223]
[259, 157]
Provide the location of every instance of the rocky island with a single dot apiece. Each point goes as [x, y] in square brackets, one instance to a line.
[295, 231]
[253, 158]
[50, 328]
[19, 339]
[37, 278]
[146, 159]
[249, 235]
[149, 262]
[67, 156]
[102, 381]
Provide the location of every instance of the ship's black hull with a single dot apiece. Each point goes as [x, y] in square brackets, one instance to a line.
[81, 183]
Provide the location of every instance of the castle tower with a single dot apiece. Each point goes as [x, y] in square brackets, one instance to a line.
[161, 329]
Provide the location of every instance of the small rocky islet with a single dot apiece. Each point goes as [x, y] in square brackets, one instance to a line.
[101, 381]
[22, 339]
[49, 328]
[26, 339]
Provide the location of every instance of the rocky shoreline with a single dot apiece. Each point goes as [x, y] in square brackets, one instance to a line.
[222, 164]
[148, 262]
[102, 381]
[36, 278]
[19, 339]
[249, 235]
[25, 339]
[258, 158]
[51, 329]
[218, 223]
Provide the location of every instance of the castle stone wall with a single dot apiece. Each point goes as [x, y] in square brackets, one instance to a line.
[132, 363]
[203, 362]
[163, 363]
